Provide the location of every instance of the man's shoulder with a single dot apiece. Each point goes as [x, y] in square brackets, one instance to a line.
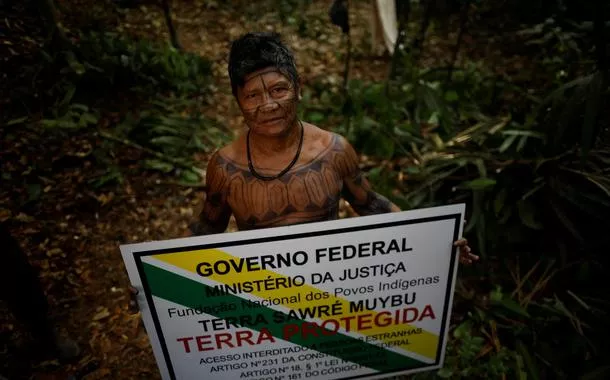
[227, 157]
[233, 152]
[327, 139]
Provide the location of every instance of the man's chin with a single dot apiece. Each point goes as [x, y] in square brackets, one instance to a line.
[271, 130]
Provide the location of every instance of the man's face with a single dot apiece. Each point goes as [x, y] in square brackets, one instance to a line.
[268, 101]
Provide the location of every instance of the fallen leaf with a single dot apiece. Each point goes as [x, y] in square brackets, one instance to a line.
[24, 218]
[104, 313]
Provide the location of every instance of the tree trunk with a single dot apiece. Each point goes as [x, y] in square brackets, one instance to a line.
[348, 56]
[170, 24]
[458, 43]
[403, 18]
[418, 42]
[56, 35]
[599, 30]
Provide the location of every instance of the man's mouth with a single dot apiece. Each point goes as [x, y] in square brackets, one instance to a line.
[268, 121]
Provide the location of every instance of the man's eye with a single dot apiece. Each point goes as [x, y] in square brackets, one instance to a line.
[250, 96]
[279, 90]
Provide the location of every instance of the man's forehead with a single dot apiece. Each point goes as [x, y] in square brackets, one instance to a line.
[266, 74]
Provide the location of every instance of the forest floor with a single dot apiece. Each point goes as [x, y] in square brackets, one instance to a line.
[72, 232]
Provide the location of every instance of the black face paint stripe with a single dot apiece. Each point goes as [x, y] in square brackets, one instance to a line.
[282, 104]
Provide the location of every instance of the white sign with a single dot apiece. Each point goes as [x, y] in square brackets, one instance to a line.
[366, 297]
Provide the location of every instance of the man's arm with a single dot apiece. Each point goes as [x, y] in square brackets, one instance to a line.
[214, 217]
[358, 191]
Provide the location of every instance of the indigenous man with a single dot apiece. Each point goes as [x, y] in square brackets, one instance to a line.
[281, 170]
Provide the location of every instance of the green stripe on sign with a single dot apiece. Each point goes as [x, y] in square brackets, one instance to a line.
[175, 288]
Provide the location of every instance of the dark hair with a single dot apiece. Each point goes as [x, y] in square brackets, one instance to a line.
[255, 51]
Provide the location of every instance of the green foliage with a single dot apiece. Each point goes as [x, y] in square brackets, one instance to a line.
[167, 85]
[552, 36]
[470, 356]
[77, 116]
[385, 119]
[112, 175]
[516, 176]
[130, 62]
[110, 63]
[532, 167]
[178, 136]
[570, 112]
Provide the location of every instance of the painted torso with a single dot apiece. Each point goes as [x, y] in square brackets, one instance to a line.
[309, 192]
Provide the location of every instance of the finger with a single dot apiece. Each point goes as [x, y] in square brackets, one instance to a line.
[460, 242]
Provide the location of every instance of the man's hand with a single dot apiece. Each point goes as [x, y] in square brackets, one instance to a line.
[133, 300]
[466, 255]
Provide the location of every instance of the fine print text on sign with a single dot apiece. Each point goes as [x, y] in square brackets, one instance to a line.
[363, 298]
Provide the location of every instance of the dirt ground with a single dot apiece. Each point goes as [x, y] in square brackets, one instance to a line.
[71, 233]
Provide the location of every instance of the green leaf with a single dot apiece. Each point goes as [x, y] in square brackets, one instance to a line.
[530, 363]
[499, 201]
[462, 330]
[168, 140]
[598, 373]
[17, 121]
[87, 118]
[567, 222]
[480, 183]
[451, 96]
[527, 213]
[434, 118]
[603, 183]
[379, 145]
[513, 306]
[67, 97]
[507, 143]
[155, 164]
[445, 373]
[190, 176]
[315, 117]
[79, 107]
[198, 144]
[496, 294]
[591, 111]
[67, 124]
[49, 123]
[517, 132]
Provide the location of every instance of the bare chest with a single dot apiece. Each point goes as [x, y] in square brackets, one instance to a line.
[307, 194]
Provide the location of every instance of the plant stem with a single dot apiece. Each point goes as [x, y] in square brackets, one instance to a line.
[600, 38]
[170, 24]
[348, 58]
[418, 42]
[403, 19]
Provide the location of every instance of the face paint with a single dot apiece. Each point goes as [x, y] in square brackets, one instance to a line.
[268, 102]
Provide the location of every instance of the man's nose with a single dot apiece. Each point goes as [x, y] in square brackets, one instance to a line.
[269, 104]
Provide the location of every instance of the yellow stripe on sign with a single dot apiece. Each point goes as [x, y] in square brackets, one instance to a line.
[424, 344]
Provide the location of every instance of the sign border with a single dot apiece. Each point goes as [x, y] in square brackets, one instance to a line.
[139, 254]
